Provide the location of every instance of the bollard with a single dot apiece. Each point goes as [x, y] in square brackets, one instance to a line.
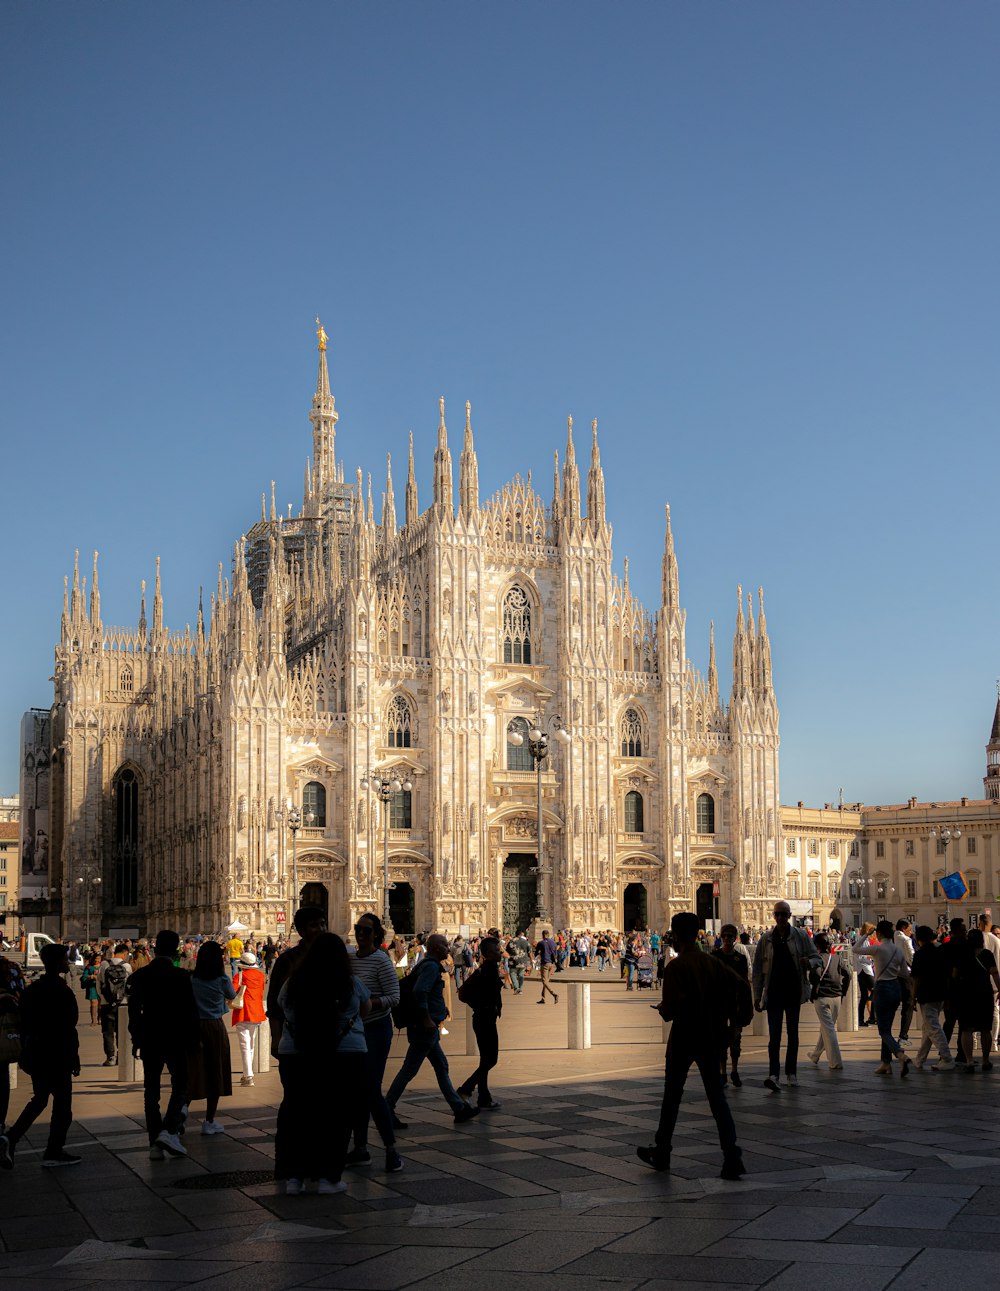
[262, 1049]
[471, 1048]
[848, 1019]
[578, 1014]
[126, 1060]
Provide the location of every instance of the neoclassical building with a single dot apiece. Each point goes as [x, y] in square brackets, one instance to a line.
[344, 645]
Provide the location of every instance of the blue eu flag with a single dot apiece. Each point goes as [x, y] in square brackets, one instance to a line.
[954, 886]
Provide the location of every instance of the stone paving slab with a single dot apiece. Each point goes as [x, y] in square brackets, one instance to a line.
[892, 1182]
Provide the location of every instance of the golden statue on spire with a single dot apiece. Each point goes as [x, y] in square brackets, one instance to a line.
[320, 336]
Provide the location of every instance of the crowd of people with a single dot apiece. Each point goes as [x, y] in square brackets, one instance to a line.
[332, 1010]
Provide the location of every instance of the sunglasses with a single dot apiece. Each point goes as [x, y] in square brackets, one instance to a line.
[782, 914]
[364, 927]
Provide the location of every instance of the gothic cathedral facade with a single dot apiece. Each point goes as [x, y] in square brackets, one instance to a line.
[343, 647]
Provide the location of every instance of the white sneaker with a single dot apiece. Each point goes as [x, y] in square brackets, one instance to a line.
[171, 1143]
[293, 1187]
[327, 1189]
[943, 1064]
[246, 1081]
[212, 1127]
[791, 1080]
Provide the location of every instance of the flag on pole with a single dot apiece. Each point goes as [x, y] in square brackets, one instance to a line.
[954, 886]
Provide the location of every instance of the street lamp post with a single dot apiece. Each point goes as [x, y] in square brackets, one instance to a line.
[294, 819]
[89, 879]
[538, 746]
[862, 880]
[943, 837]
[385, 788]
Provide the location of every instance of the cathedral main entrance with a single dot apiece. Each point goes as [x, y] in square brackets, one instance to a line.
[402, 908]
[520, 892]
[316, 894]
[635, 908]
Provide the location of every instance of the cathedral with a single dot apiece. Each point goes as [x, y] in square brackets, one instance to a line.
[547, 749]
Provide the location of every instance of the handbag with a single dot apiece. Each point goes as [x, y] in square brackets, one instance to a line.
[237, 1001]
[10, 1037]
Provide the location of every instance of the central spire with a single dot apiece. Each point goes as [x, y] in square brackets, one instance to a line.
[324, 419]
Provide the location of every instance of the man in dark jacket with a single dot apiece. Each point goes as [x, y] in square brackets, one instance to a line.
[50, 1052]
[702, 999]
[163, 1023]
[486, 1005]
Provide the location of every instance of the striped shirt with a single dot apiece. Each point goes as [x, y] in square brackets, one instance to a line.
[379, 975]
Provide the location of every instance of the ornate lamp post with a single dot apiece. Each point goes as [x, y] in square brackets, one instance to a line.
[294, 818]
[89, 879]
[943, 837]
[862, 881]
[385, 788]
[538, 746]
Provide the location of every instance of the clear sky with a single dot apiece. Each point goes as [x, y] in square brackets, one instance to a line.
[757, 241]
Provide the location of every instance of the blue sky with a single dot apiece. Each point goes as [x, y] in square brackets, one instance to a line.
[757, 241]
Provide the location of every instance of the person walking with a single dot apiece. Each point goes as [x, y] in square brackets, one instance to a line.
[834, 983]
[703, 1000]
[247, 1018]
[88, 984]
[372, 966]
[50, 1055]
[976, 979]
[112, 983]
[781, 965]
[930, 987]
[518, 961]
[890, 967]
[738, 963]
[321, 1064]
[210, 1075]
[547, 953]
[423, 1035]
[164, 1026]
[486, 1002]
[309, 922]
[12, 987]
[901, 937]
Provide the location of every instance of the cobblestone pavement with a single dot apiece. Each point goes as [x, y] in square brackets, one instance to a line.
[879, 1179]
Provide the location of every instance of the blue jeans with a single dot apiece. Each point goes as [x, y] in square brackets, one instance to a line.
[782, 1008]
[630, 966]
[888, 997]
[378, 1037]
[516, 972]
[424, 1044]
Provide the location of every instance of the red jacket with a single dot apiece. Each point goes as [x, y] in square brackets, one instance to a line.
[253, 1000]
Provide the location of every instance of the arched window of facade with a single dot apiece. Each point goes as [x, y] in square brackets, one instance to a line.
[399, 723]
[519, 757]
[125, 681]
[705, 811]
[516, 630]
[634, 817]
[314, 802]
[401, 810]
[631, 733]
[126, 844]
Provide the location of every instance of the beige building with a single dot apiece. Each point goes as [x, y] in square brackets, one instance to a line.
[861, 862]
[414, 647]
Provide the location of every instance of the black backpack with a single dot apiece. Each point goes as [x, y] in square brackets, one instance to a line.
[114, 983]
[403, 1012]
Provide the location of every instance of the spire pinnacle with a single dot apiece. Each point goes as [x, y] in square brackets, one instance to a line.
[274, 514]
[95, 600]
[388, 502]
[468, 471]
[412, 510]
[157, 603]
[323, 416]
[371, 509]
[669, 580]
[713, 671]
[595, 486]
[77, 607]
[556, 493]
[443, 480]
[571, 480]
[142, 609]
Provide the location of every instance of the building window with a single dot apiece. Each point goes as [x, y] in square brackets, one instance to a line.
[812, 847]
[3, 865]
[853, 889]
[833, 887]
[911, 889]
[314, 802]
[519, 756]
[516, 626]
[3, 900]
[399, 723]
[631, 733]
[634, 823]
[880, 848]
[942, 847]
[908, 848]
[881, 888]
[125, 682]
[973, 887]
[832, 849]
[814, 889]
[705, 813]
[791, 847]
[936, 890]
[793, 889]
[855, 848]
[970, 845]
[400, 810]
[126, 844]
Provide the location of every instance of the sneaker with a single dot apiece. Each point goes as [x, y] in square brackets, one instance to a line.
[327, 1187]
[293, 1187]
[155, 1152]
[791, 1079]
[359, 1156]
[108, 1062]
[171, 1144]
[212, 1127]
[397, 1124]
[736, 1080]
[6, 1153]
[59, 1158]
[393, 1161]
[883, 1069]
[836, 1066]
[733, 1169]
[490, 1107]
[942, 1064]
[466, 1114]
[772, 1084]
[653, 1157]
[813, 1058]
[246, 1081]
[904, 1039]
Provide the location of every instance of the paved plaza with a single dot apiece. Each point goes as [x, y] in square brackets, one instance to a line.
[875, 1181]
